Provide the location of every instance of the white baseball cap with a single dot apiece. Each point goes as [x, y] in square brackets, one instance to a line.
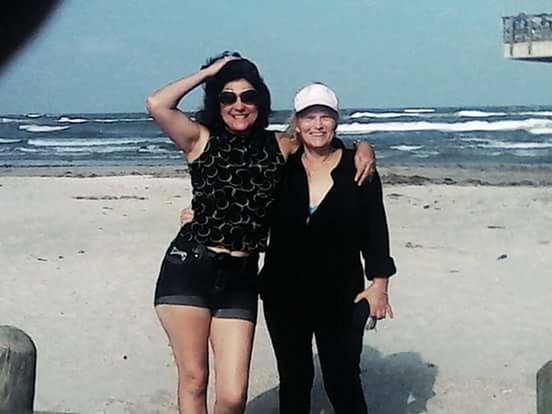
[315, 94]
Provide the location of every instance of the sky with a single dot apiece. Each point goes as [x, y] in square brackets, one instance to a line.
[106, 56]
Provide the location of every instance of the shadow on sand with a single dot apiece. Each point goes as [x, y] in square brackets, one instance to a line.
[399, 383]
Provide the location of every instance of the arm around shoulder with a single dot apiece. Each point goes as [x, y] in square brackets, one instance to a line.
[288, 144]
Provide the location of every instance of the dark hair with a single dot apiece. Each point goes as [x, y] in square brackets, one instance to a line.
[242, 68]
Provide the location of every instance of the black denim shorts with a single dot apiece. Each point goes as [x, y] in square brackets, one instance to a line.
[193, 275]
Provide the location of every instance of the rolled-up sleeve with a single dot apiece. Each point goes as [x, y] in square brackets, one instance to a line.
[375, 241]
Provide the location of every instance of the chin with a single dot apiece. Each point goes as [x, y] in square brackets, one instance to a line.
[241, 126]
[320, 143]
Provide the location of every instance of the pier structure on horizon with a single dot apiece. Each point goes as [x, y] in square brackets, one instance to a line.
[528, 37]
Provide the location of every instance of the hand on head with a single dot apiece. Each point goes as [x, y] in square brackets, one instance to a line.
[215, 64]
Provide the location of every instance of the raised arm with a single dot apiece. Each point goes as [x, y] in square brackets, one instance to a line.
[162, 105]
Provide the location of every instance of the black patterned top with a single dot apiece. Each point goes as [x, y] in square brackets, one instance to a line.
[234, 186]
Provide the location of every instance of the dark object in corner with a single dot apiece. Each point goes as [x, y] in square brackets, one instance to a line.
[19, 20]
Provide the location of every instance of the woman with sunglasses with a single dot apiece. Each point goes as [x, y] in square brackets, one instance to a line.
[312, 282]
[207, 287]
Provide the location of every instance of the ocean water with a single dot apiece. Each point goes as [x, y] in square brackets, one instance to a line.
[466, 136]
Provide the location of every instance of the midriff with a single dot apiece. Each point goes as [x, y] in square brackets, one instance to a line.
[236, 253]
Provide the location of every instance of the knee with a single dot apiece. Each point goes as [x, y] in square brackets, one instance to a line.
[297, 377]
[340, 385]
[232, 399]
[193, 382]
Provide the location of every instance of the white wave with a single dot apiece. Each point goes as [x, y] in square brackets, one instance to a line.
[9, 140]
[407, 147]
[526, 124]
[536, 113]
[33, 115]
[154, 149]
[12, 120]
[42, 128]
[483, 114]
[540, 131]
[381, 115]
[72, 120]
[96, 150]
[420, 110]
[169, 157]
[517, 145]
[86, 142]
[32, 150]
[475, 139]
[526, 153]
[480, 114]
[277, 127]
[110, 120]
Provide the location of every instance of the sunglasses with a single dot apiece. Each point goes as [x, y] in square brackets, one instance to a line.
[249, 97]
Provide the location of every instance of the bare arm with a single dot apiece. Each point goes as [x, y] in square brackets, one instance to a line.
[365, 162]
[162, 105]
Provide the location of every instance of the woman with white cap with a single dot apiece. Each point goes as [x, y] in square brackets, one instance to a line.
[312, 282]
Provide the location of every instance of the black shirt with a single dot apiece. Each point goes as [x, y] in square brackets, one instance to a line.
[234, 183]
[319, 254]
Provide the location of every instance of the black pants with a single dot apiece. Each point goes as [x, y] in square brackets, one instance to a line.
[339, 342]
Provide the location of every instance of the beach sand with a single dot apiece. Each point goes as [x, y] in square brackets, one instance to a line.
[472, 294]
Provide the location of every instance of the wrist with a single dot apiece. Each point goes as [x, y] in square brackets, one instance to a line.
[205, 74]
[380, 284]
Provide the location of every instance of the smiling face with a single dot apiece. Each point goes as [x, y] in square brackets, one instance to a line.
[316, 126]
[239, 117]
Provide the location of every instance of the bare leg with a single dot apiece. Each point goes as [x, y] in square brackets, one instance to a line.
[188, 330]
[232, 342]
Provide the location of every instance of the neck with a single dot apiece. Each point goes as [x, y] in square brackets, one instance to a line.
[318, 154]
[240, 133]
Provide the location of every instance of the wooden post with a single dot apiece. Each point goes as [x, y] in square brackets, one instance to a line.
[544, 389]
[17, 370]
